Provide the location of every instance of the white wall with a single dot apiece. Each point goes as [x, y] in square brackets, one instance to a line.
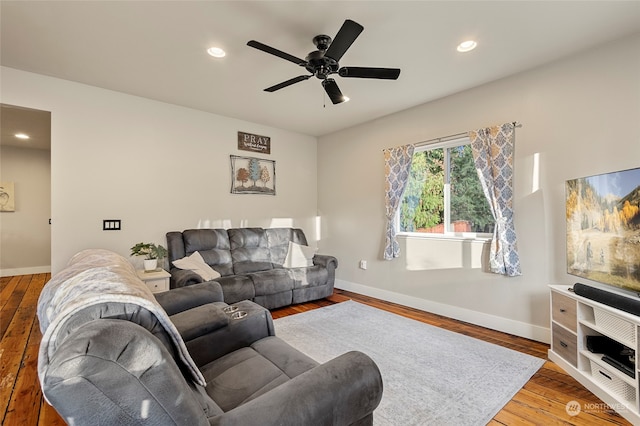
[25, 237]
[157, 167]
[580, 117]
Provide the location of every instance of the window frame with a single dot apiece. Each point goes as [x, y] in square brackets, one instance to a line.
[448, 234]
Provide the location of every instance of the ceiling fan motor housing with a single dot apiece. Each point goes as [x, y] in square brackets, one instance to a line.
[319, 65]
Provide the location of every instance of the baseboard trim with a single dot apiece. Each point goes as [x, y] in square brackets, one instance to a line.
[528, 331]
[25, 271]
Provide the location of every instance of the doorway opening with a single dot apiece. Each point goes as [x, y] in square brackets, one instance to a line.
[25, 179]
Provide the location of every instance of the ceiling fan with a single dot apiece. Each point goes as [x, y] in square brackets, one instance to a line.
[323, 62]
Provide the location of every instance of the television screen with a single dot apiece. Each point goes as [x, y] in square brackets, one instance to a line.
[603, 228]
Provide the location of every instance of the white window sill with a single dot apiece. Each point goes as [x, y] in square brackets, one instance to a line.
[424, 252]
[459, 236]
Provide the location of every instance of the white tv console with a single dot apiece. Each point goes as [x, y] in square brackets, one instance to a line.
[573, 318]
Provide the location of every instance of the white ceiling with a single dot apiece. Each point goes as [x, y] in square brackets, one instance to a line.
[156, 49]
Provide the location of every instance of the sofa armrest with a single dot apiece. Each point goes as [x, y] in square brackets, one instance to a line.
[181, 299]
[325, 260]
[340, 392]
[184, 277]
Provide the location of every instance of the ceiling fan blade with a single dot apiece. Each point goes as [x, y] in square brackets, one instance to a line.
[366, 72]
[288, 83]
[333, 91]
[276, 52]
[347, 34]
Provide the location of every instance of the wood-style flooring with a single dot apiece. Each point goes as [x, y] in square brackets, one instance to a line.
[541, 401]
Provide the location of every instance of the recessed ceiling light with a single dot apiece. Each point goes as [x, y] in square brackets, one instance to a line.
[467, 46]
[21, 136]
[216, 52]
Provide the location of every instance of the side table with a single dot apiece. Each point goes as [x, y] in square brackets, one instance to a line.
[157, 280]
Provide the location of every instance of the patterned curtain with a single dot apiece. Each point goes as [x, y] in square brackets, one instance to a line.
[397, 165]
[493, 156]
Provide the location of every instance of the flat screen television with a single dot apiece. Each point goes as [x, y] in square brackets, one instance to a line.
[603, 228]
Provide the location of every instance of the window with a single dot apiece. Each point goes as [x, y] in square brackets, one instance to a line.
[444, 195]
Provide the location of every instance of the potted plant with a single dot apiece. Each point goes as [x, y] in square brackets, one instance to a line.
[151, 253]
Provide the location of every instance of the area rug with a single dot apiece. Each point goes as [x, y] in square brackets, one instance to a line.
[431, 376]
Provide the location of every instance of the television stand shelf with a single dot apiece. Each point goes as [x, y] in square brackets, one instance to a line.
[573, 319]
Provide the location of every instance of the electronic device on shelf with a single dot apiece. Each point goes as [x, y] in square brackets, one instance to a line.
[629, 371]
[613, 353]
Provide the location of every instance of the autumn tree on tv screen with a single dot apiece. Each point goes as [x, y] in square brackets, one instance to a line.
[603, 228]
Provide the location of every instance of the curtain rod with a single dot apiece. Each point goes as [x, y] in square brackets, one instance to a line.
[452, 137]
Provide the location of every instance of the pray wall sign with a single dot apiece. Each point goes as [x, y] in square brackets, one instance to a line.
[254, 143]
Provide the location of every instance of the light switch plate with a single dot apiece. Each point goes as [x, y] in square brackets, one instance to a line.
[111, 225]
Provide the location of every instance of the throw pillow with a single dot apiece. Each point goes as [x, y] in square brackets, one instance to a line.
[299, 256]
[196, 263]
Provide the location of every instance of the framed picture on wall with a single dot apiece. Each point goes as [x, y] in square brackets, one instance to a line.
[251, 175]
[7, 197]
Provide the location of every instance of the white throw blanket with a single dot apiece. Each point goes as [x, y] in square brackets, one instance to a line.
[92, 277]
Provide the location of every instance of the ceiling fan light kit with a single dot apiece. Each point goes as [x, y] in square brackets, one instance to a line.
[324, 62]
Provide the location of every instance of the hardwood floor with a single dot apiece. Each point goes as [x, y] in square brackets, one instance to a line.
[541, 401]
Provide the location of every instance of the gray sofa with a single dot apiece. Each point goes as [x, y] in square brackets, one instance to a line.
[115, 361]
[250, 261]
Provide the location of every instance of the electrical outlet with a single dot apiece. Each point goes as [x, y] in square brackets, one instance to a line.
[363, 264]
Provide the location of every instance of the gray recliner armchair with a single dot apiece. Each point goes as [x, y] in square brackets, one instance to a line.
[113, 363]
